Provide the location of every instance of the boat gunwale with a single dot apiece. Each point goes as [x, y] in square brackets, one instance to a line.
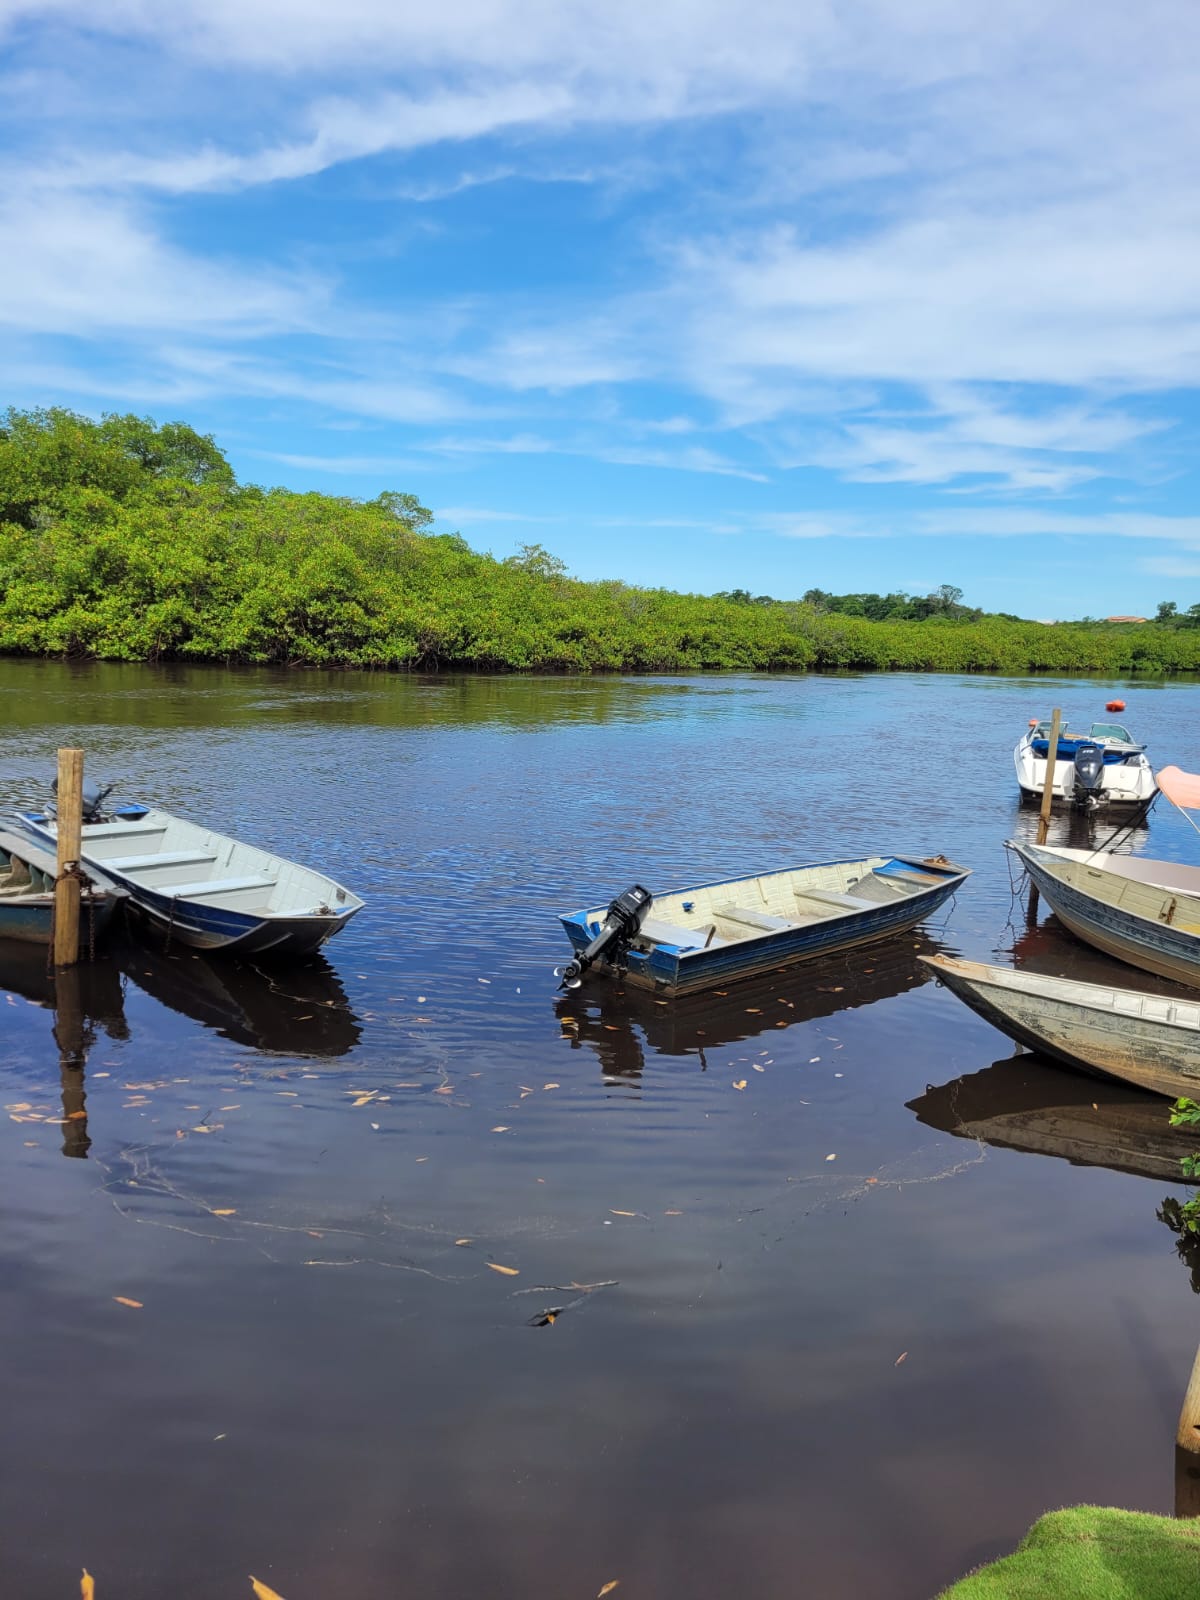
[949, 970]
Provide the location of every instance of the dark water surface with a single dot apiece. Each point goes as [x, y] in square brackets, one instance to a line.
[327, 1385]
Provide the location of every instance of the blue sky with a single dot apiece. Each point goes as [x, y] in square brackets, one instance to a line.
[861, 294]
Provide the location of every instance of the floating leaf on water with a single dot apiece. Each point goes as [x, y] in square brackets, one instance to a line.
[608, 1587]
[509, 1272]
[227, 1211]
[831, 1158]
[124, 1300]
[903, 1356]
[672, 1213]
[503, 1128]
[462, 1241]
[739, 1083]
[87, 1586]
[552, 1086]
[622, 1213]
[754, 1011]
[756, 1067]
[263, 1591]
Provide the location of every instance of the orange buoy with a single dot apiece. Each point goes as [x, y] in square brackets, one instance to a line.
[1115, 705]
[1033, 722]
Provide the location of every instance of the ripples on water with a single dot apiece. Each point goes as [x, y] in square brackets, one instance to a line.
[325, 1386]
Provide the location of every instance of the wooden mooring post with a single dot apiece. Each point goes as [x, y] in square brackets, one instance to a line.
[1187, 1449]
[70, 842]
[1047, 797]
[1048, 786]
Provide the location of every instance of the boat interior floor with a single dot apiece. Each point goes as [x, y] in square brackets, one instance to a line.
[784, 906]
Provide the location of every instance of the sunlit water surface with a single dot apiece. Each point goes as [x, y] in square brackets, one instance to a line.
[451, 1288]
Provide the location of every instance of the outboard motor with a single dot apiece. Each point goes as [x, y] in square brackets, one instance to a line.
[622, 922]
[94, 797]
[1089, 774]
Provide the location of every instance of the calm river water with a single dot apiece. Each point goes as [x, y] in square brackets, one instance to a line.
[808, 1341]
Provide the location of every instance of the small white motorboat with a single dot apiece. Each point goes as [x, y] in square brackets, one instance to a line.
[1102, 767]
[201, 888]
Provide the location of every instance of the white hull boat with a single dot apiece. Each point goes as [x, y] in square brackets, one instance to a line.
[1102, 767]
[203, 889]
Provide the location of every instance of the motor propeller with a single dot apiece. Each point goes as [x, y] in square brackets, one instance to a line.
[622, 922]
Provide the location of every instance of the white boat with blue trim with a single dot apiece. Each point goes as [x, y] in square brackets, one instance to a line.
[201, 888]
[699, 938]
[1103, 767]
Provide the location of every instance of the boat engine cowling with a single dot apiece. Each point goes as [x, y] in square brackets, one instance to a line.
[622, 922]
[1089, 772]
[94, 796]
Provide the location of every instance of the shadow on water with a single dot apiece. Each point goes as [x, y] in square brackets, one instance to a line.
[298, 1011]
[625, 1026]
[1025, 1103]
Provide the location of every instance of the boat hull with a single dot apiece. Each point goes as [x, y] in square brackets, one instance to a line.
[673, 970]
[1151, 943]
[1150, 1042]
[231, 932]
[205, 891]
[30, 919]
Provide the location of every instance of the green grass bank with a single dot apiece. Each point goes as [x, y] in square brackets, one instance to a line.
[125, 540]
[1093, 1553]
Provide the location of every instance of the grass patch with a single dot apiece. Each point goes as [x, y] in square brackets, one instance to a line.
[1093, 1553]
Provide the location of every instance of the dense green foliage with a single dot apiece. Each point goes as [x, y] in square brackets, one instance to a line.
[129, 541]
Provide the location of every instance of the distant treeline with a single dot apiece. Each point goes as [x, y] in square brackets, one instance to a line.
[126, 540]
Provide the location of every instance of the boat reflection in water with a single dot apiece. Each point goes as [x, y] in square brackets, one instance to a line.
[625, 1025]
[301, 1010]
[1084, 830]
[1024, 1103]
[86, 1000]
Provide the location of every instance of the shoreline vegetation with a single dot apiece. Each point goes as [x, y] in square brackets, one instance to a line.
[131, 541]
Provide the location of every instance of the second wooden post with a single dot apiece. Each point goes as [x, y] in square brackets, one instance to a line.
[1051, 768]
[70, 842]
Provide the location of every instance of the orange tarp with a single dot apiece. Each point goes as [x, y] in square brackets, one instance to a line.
[1181, 788]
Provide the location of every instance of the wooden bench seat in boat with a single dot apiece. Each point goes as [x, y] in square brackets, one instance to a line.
[200, 891]
[761, 921]
[159, 858]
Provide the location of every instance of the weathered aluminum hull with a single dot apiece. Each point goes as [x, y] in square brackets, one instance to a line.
[1096, 1032]
[1155, 946]
[232, 932]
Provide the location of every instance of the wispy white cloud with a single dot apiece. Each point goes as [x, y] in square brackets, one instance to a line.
[959, 249]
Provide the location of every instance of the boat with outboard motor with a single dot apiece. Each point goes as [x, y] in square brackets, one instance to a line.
[1102, 767]
[28, 873]
[201, 888]
[698, 938]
